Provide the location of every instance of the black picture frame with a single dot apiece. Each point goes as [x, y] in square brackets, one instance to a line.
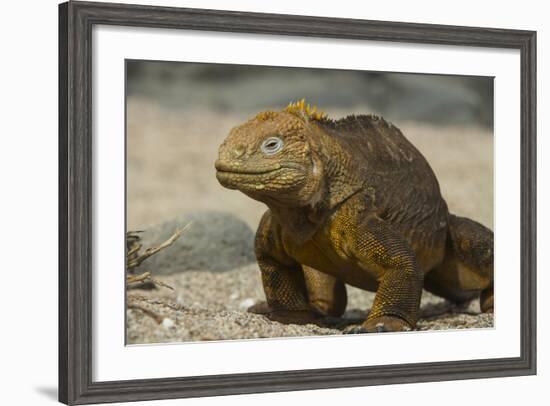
[76, 20]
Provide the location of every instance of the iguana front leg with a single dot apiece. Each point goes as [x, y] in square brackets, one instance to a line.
[400, 279]
[282, 278]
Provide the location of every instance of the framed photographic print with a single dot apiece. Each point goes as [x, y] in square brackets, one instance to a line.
[259, 202]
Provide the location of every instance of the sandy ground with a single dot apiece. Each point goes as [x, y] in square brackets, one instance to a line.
[194, 312]
[170, 160]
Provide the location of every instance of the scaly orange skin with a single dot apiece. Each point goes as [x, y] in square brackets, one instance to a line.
[351, 202]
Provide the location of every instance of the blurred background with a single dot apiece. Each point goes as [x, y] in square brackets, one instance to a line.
[437, 99]
[179, 113]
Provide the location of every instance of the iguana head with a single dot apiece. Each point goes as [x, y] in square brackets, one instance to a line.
[274, 157]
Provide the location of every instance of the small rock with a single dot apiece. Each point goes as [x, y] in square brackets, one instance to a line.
[215, 241]
[246, 303]
[168, 323]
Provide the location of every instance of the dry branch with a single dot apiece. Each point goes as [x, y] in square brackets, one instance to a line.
[134, 258]
[146, 311]
[146, 277]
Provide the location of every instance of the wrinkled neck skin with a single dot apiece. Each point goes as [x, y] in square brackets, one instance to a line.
[331, 184]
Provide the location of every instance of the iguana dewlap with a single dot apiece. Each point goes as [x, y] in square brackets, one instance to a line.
[351, 201]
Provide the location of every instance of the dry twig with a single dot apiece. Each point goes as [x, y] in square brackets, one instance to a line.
[136, 259]
[146, 311]
[146, 277]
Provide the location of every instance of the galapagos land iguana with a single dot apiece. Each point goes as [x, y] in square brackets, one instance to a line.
[351, 201]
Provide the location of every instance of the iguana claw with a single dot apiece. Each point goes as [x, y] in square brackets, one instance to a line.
[382, 324]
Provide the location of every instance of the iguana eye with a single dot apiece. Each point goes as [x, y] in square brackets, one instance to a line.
[272, 145]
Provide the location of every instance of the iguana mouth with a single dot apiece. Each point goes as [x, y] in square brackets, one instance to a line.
[248, 172]
[235, 169]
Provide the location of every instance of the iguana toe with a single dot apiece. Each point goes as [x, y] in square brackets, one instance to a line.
[384, 324]
[354, 329]
[381, 324]
[286, 316]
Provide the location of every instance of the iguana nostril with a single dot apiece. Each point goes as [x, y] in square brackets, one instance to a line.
[238, 151]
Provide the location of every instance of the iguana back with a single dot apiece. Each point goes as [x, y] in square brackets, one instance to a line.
[399, 183]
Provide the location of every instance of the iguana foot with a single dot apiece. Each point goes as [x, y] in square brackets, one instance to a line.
[354, 329]
[285, 316]
[382, 324]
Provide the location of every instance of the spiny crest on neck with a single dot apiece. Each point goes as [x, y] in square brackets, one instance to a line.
[300, 109]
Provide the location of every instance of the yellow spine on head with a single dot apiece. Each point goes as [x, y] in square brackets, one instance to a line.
[266, 115]
[301, 109]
